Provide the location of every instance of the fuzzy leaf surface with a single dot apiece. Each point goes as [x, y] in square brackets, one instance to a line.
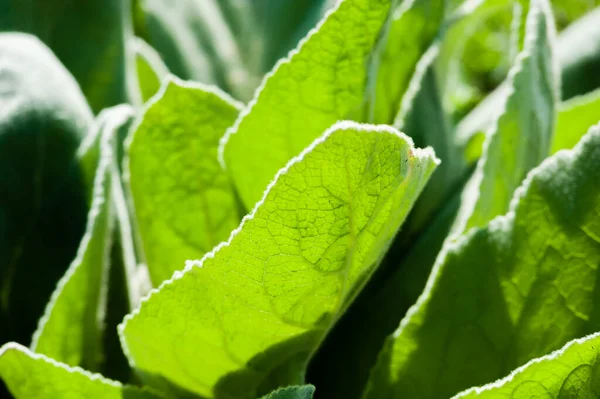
[184, 202]
[245, 319]
[72, 327]
[571, 372]
[30, 375]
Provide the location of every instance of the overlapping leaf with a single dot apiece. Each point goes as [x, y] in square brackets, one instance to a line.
[150, 69]
[574, 118]
[524, 129]
[294, 392]
[72, 327]
[321, 82]
[517, 289]
[29, 375]
[247, 317]
[571, 372]
[578, 63]
[184, 202]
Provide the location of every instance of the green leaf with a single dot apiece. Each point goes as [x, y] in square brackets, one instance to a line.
[574, 119]
[571, 372]
[523, 133]
[72, 328]
[184, 202]
[229, 43]
[504, 294]
[246, 318]
[44, 199]
[150, 69]
[283, 24]
[87, 36]
[413, 28]
[30, 375]
[295, 392]
[321, 82]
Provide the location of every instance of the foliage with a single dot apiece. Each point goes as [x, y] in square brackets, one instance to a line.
[241, 199]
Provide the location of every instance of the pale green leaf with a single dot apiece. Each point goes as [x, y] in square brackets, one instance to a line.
[517, 289]
[284, 23]
[571, 372]
[87, 36]
[522, 136]
[150, 69]
[184, 203]
[319, 83]
[246, 318]
[44, 200]
[574, 119]
[29, 375]
[294, 392]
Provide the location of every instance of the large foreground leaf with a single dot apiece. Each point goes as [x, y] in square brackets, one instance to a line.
[571, 372]
[43, 193]
[517, 289]
[321, 82]
[87, 36]
[29, 375]
[245, 319]
[184, 202]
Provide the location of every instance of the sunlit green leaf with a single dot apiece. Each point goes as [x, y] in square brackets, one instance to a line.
[320, 83]
[184, 203]
[246, 318]
[571, 372]
[29, 375]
